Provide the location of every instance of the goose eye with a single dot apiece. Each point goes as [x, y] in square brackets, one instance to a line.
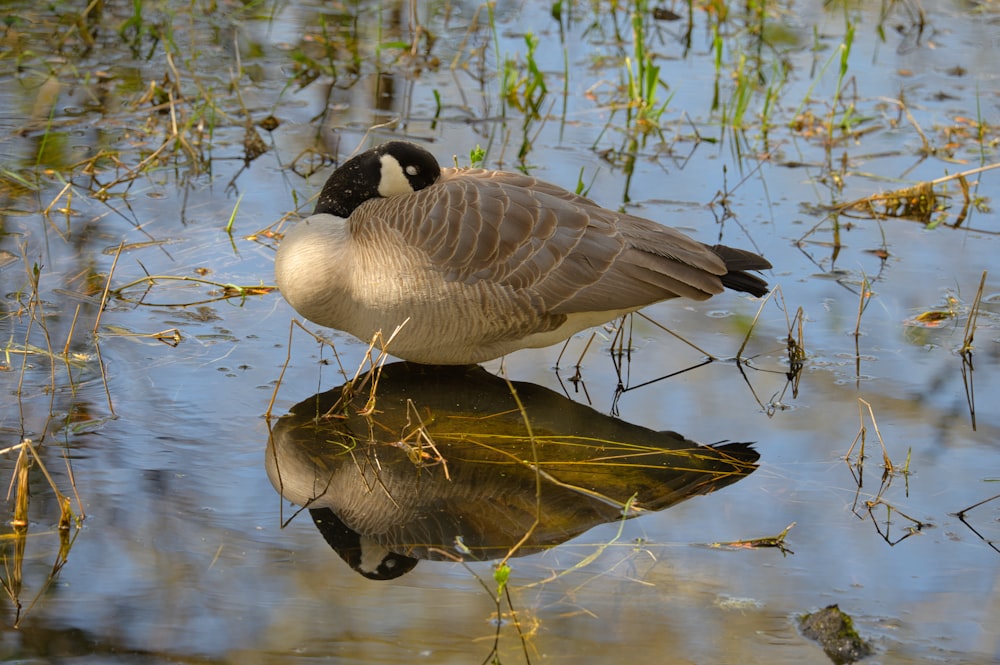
[412, 170]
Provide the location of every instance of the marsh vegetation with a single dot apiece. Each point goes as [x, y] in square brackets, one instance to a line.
[153, 153]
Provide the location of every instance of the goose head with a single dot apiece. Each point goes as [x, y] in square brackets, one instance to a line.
[391, 169]
[361, 553]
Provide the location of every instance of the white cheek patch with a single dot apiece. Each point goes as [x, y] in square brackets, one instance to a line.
[372, 554]
[392, 180]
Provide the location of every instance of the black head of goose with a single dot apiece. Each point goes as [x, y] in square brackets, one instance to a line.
[481, 263]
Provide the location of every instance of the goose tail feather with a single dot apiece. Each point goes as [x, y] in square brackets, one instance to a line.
[737, 262]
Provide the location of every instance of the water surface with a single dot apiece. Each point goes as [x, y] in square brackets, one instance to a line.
[183, 556]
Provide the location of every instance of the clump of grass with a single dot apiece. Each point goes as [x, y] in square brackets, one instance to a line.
[919, 202]
[638, 94]
[367, 374]
[911, 23]
[522, 86]
[477, 157]
[27, 449]
[924, 202]
[733, 112]
[889, 470]
[749, 70]
[643, 75]
[11, 572]
[841, 119]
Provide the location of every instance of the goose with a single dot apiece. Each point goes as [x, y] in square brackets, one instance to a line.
[474, 264]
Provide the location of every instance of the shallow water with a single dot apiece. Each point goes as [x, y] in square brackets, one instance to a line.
[182, 555]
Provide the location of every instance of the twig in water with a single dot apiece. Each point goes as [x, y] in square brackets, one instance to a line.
[962, 514]
[107, 289]
[777, 541]
[671, 332]
[228, 291]
[538, 476]
[863, 300]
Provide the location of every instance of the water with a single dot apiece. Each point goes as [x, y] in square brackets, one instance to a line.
[182, 555]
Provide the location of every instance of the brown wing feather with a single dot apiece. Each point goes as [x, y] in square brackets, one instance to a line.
[569, 253]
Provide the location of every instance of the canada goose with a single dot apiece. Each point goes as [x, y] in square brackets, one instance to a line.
[481, 263]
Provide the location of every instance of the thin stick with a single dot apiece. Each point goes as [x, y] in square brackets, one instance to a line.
[885, 453]
[586, 347]
[104, 378]
[753, 324]
[72, 483]
[69, 335]
[538, 476]
[107, 288]
[671, 332]
[962, 512]
[970, 324]
[281, 375]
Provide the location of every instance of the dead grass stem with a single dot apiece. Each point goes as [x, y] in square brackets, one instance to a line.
[675, 335]
[969, 333]
[968, 337]
[538, 476]
[862, 436]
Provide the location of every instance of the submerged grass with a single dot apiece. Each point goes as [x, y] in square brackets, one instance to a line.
[30, 460]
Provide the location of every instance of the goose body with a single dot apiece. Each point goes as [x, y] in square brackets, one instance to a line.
[481, 263]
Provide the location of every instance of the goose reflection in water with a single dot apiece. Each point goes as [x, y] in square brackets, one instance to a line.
[445, 468]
